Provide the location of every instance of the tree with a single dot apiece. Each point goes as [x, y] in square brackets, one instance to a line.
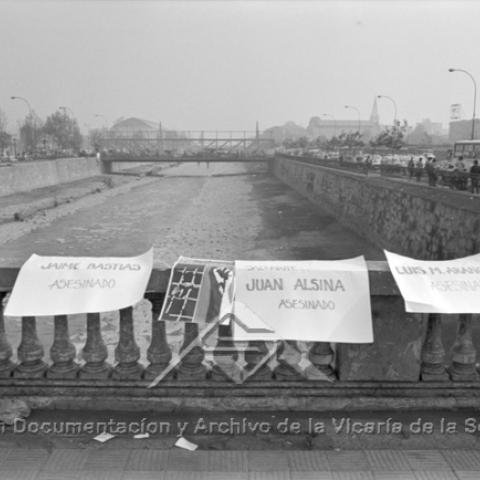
[353, 139]
[301, 142]
[95, 137]
[420, 136]
[5, 138]
[64, 130]
[30, 132]
[391, 137]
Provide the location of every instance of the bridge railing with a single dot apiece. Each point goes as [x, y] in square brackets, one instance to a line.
[408, 365]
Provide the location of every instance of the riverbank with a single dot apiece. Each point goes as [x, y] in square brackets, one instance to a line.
[23, 212]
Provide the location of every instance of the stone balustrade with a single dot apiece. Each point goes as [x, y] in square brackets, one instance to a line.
[412, 363]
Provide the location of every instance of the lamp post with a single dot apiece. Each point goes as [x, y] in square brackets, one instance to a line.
[334, 122]
[30, 110]
[394, 107]
[358, 113]
[32, 115]
[474, 95]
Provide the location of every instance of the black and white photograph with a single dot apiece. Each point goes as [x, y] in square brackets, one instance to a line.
[239, 240]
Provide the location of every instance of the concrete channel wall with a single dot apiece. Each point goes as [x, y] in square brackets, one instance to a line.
[24, 176]
[410, 219]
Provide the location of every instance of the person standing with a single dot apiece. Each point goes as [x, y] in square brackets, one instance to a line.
[475, 177]
[429, 170]
[419, 169]
[461, 174]
[411, 167]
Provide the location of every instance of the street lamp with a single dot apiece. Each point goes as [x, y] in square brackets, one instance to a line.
[334, 122]
[30, 110]
[33, 118]
[358, 113]
[394, 107]
[474, 95]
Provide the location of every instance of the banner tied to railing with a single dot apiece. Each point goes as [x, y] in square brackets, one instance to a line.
[274, 300]
[437, 286]
[321, 301]
[69, 285]
[199, 290]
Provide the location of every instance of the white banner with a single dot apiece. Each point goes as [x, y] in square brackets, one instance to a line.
[321, 301]
[70, 285]
[441, 286]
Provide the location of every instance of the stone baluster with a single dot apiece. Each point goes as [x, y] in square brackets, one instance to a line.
[464, 353]
[257, 368]
[158, 353]
[288, 357]
[95, 351]
[30, 352]
[225, 356]
[62, 352]
[321, 356]
[127, 352]
[433, 353]
[191, 366]
[6, 366]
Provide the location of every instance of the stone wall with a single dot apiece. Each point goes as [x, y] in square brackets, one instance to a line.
[406, 218]
[23, 176]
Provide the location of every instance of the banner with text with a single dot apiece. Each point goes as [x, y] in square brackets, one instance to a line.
[70, 285]
[199, 290]
[321, 301]
[437, 286]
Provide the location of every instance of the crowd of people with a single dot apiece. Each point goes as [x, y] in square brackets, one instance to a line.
[453, 173]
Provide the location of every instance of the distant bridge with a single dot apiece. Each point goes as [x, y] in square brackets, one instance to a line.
[109, 159]
[166, 158]
[216, 145]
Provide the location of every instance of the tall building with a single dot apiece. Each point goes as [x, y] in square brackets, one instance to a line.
[328, 127]
[462, 130]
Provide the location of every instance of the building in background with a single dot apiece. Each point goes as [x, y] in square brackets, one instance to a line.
[428, 133]
[462, 130]
[327, 127]
[139, 136]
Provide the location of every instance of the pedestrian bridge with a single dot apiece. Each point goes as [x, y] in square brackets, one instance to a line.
[169, 158]
[191, 146]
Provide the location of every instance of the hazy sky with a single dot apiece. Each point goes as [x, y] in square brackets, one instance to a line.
[223, 65]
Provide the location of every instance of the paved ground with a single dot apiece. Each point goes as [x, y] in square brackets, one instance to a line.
[337, 455]
[176, 464]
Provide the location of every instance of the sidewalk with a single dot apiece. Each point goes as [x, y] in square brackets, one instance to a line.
[426, 456]
[176, 464]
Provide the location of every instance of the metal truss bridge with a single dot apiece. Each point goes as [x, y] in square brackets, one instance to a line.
[191, 146]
